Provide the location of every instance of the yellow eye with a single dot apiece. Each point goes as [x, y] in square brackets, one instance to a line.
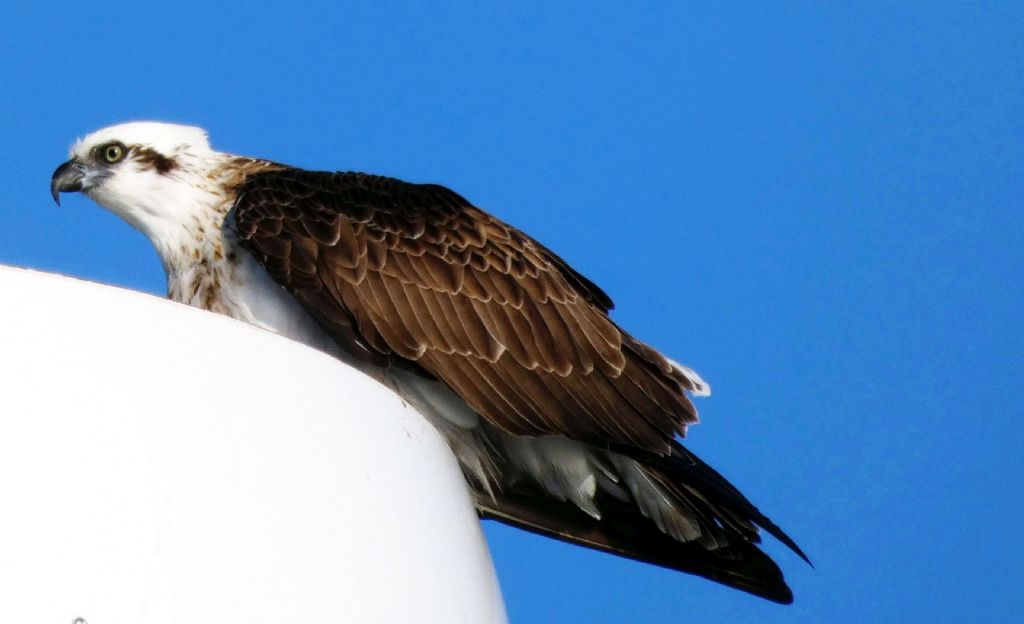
[112, 152]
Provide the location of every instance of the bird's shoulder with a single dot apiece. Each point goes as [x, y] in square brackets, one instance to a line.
[415, 218]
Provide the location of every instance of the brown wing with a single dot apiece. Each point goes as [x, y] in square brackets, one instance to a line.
[411, 271]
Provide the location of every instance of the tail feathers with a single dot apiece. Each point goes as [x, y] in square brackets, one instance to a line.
[623, 531]
[681, 471]
[717, 536]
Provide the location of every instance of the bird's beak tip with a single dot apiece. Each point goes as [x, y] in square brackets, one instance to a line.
[66, 178]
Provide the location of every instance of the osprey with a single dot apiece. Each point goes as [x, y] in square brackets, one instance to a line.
[563, 423]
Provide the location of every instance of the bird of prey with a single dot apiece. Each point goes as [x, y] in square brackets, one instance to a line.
[562, 422]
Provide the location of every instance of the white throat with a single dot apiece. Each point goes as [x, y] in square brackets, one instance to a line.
[181, 212]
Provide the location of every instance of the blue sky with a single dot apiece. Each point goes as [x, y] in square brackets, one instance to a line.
[817, 207]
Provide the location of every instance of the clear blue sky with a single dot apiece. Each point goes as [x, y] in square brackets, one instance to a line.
[819, 208]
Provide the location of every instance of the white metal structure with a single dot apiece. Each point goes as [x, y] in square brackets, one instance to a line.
[162, 464]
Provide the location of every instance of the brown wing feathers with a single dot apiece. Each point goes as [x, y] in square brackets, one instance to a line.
[415, 271]
[416, 275]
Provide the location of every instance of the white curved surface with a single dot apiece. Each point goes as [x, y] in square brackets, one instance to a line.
[163, 464]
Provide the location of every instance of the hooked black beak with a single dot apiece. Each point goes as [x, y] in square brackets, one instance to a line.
[66, 179]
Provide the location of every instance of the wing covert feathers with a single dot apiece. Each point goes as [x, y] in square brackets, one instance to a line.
[414, 272]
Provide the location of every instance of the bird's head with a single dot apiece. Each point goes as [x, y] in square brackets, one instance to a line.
[153, 175]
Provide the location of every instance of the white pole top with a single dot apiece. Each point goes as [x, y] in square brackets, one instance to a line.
[160, 464]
